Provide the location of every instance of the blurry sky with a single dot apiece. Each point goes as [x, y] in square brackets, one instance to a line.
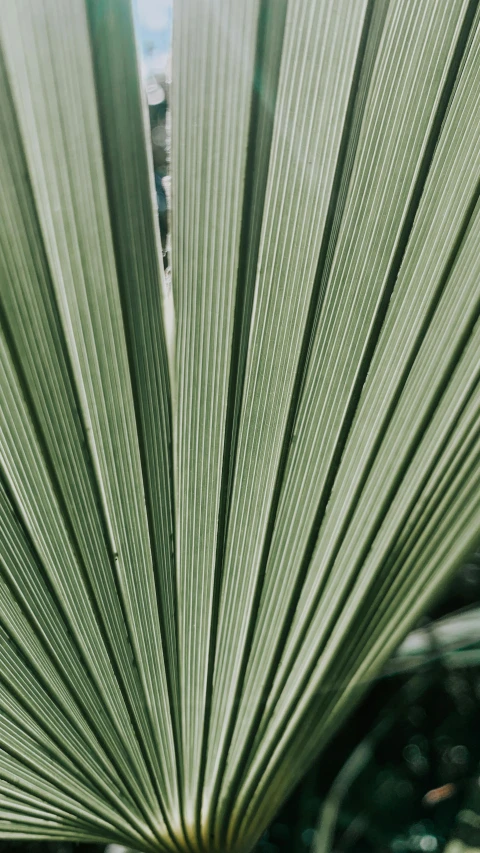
[154, 28]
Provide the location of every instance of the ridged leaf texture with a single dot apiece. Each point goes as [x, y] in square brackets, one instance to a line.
[224, 502]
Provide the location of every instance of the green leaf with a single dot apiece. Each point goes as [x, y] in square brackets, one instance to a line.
[224, 504]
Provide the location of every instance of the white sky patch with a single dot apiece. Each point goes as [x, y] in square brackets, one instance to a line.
[153, 23]
[154, 14]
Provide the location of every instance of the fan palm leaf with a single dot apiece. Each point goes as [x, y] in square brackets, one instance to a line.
[225, 499]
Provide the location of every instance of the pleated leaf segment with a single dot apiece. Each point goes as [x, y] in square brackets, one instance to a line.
[223, 506]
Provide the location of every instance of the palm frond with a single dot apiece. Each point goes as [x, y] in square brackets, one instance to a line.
[215, 533]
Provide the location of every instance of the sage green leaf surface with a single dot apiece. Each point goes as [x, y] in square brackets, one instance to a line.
[224, 503]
